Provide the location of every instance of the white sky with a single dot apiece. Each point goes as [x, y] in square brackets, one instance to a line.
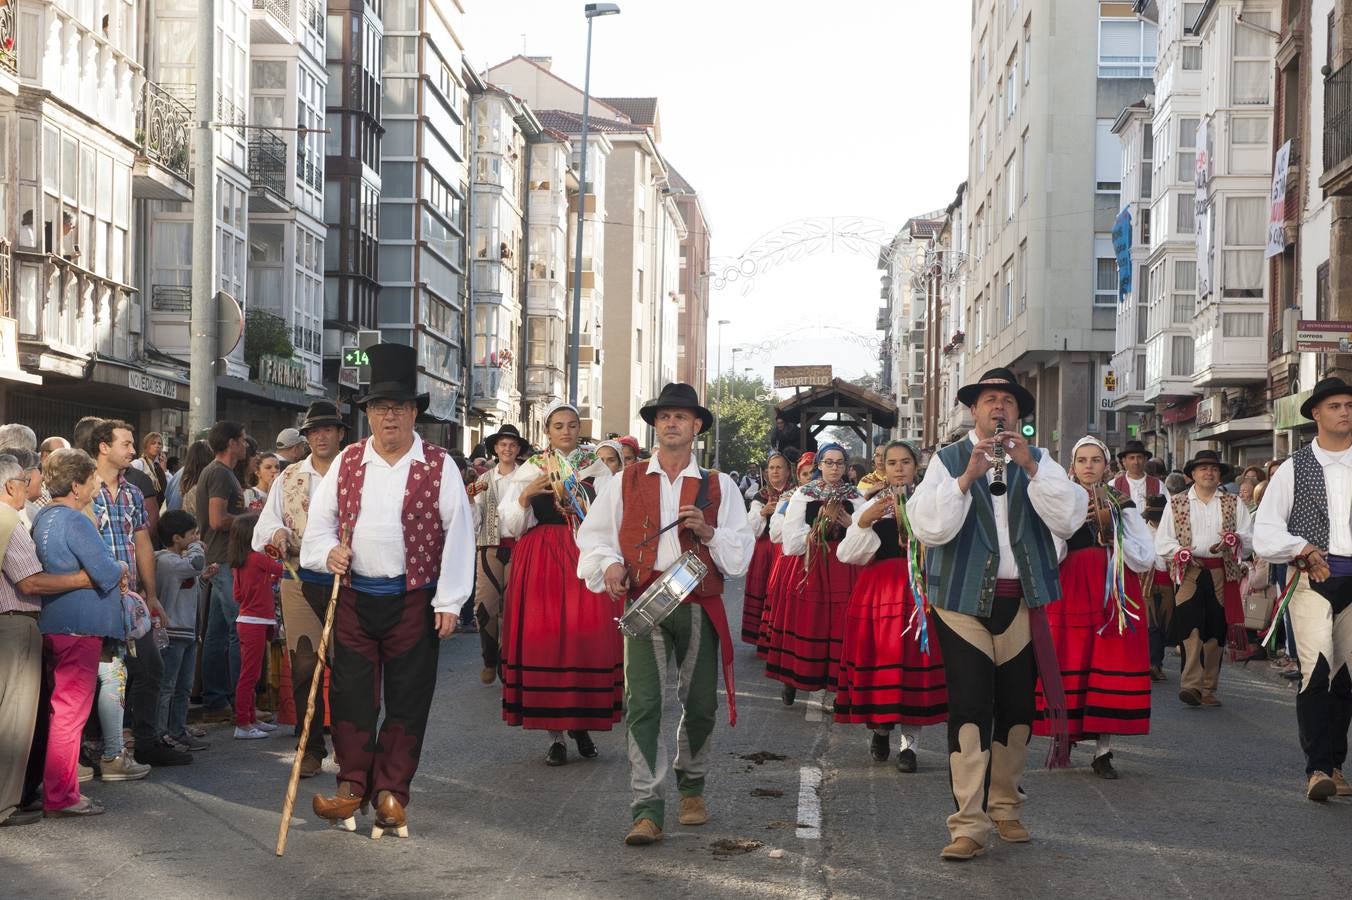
[776, 111]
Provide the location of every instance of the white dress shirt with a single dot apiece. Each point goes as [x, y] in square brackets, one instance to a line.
[859, 544]
[598, 538]
[938, 507]
[378, 539]
[1272, 541]
[271, 517]
[1138, 543]
[1137, 486]
[1206, 527]
[757, 522]
[491, 477]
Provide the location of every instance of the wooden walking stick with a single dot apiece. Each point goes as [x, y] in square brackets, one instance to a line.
[289, 804]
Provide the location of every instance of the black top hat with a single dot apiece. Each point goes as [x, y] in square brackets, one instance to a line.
[1154, 508]
[1133, 447]
[394, 376]
[1000, 379]
[1329, 387]
[677, 395]
[507, 431]
[321, 413]
[1209, 458]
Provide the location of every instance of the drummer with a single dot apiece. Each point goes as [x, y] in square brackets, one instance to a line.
[620, 552]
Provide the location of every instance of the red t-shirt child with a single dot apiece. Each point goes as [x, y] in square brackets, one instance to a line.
[254, 583]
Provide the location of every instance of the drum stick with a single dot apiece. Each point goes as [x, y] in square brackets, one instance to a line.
[294, 783]
[665, 528]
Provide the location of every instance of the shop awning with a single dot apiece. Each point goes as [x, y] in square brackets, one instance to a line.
[1235, 429]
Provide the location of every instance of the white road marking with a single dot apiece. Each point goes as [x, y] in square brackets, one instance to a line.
[814, 706]
[809, 803]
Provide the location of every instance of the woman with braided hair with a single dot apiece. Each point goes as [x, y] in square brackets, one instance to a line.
[562, 656]
[805, 654]
[1100, 627]
[891, 671]
[763, 505]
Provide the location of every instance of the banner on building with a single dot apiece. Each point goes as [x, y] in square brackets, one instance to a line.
[802, 376]
[1276, 239]
[1201, 220]
[1107, 388]
[1122, 246]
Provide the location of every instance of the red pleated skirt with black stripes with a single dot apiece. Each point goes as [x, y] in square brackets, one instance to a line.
[808, 625]
[757, 582]
[1106, 676]
[884, 676]
[562, 653]
[775, 586]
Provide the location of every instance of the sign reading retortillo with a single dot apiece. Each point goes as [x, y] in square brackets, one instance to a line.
[802, 376]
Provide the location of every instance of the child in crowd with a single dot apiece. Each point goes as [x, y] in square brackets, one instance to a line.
[255, 577]
[177, 570]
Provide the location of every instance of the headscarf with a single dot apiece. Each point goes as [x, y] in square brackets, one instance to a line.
[556, 406]
[598, 470]
[628, 441]
[808, 459]
[1084, 441]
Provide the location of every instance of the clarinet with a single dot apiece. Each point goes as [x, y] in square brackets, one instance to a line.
[998, 486]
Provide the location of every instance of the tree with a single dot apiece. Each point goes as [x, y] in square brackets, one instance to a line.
[748, 415]
[265, 334]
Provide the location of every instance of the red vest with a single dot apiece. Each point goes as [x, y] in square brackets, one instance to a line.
[1153, 486]
[424, 536]
[642, 519]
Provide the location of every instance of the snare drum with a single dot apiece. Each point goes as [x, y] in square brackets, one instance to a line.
[663, 596]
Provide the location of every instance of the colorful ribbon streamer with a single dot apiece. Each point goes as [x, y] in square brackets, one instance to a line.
[915, 577]
[1270, 636]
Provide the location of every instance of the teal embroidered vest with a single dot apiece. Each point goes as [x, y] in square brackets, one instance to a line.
[960, 575]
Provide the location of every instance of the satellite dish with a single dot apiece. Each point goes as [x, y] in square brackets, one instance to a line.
[229, 324]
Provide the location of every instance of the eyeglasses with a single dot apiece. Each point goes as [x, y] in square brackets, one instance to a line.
[831, 463]
[381, 410]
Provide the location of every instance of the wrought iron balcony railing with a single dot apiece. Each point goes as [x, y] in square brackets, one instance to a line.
[1338, 118]
[6, 297]
[267, 160]
[9, 51]
[280, 9]
[163, 127]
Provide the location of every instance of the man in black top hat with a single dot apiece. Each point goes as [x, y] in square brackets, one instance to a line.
[493, 551]
[281, 527]
[1204, 536]
[392, 519]
[1304, 520]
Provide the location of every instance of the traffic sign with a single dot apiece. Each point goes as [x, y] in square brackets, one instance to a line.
[1323, 336]
[355, 367]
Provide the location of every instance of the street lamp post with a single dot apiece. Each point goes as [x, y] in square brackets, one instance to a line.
[591, 11]
[718, 420]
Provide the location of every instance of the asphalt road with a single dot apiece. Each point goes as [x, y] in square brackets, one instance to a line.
[1210, 800]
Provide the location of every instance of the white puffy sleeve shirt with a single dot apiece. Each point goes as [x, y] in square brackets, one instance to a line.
[513, 521]
[860, 543]
[938, 507]
[598, 538]
[378, 539]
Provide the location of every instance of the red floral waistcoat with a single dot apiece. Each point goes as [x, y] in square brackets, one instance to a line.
[424, 536]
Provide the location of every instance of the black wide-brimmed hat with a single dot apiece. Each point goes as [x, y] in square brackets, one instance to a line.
[1329, 387]
[1209, 458]
[677, 395]
[507, 431]
[1154, 508]
[999, 379]
[320, 414]
[394, 376]
[1133, 447]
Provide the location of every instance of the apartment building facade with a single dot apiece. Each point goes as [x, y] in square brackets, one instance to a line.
[904, 321]
[1044, 188]
[692, 327]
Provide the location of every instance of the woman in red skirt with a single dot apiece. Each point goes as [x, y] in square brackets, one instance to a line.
[562, 656]
[805, 653]
[1100, 625]
[780, 568]
[886, 678]
[763, 506]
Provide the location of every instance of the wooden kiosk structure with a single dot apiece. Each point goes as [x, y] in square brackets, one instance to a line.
[838, 404]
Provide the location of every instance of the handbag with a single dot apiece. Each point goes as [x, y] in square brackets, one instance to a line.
[1260, 597]
[135, 616]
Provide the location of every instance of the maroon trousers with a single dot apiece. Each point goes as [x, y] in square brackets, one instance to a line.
[382, 646]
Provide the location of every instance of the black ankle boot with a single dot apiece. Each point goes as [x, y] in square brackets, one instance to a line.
[557, 755]
[585, 748]
[879, 748]
[1103, 767]
[906, 760]
[788, 694]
